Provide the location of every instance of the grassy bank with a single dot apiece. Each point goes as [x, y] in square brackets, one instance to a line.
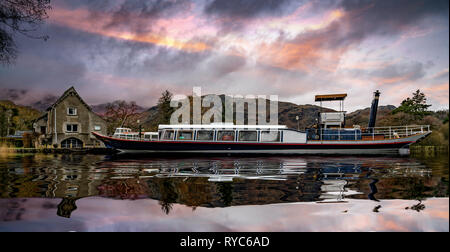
[57, 150]
[417, 150]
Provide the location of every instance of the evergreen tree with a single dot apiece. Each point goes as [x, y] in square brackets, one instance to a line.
[164, 109]
[416, 106]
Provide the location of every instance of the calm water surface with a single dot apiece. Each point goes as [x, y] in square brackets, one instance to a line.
[279, 193]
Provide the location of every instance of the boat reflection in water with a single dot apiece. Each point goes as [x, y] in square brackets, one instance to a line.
[251, 181]
[218, 182]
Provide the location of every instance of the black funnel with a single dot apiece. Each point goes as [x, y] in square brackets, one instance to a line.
[373, 109]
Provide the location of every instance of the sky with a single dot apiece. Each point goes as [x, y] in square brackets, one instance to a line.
[134, 50]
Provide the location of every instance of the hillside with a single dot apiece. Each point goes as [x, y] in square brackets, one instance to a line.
[19, 117]
[361, 116]
[102, 108]
[287, 113]
[44, 103]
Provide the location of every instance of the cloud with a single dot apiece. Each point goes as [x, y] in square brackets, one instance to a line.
[223, 65]
[383, 18]
[397, 73]
[236, 15]
[134, 27]
[441, 75]
[123, 49]
[351, 23]
[246, 8]
[363, 19]
[139, 15]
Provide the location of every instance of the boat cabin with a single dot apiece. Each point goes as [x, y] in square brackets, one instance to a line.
[230, 133]
[332, 119]
[122, 130]
[151, 136]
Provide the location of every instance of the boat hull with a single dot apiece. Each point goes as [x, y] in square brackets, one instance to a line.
[385, 147]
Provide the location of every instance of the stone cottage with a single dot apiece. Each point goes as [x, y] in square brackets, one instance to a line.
[68, 123]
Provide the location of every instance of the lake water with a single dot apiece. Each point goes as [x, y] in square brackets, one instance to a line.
[41, 192]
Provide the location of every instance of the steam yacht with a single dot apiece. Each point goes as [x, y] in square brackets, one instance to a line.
[327, 136]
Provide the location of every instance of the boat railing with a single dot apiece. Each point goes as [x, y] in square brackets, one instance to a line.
[136, 136]
[127, 136]
[375, 133]
[337, 134]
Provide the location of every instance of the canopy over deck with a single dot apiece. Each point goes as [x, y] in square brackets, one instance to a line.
[330, 97]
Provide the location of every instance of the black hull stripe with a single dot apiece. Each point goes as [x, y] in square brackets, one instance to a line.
[233, 146]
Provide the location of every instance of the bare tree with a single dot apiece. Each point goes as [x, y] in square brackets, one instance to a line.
[121, 114]
[23, 17]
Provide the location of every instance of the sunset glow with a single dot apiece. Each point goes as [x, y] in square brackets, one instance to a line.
[294, 49]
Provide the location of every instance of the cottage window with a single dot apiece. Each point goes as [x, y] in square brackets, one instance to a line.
[72, 127]
[43, 130]
[72, 111]
[72, 143]
[97, 128]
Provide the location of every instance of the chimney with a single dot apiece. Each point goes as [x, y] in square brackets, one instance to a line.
[373, 109]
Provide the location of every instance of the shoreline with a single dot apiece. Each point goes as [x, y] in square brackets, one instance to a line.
[99, 151]
[414, 150]
[429, 150]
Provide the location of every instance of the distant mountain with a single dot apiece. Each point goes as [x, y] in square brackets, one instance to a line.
[287, 113]
[307, 114]
[361, 116]
[11, 94]
[33, 99]
[102, 108]
[44, 103]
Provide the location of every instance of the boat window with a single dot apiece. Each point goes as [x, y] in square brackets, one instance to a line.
[270, 136]
[205, 135]
[168, 134]
[185, 135]
[225, 135]
[154, 137]
[147, 137]
[248, 135]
